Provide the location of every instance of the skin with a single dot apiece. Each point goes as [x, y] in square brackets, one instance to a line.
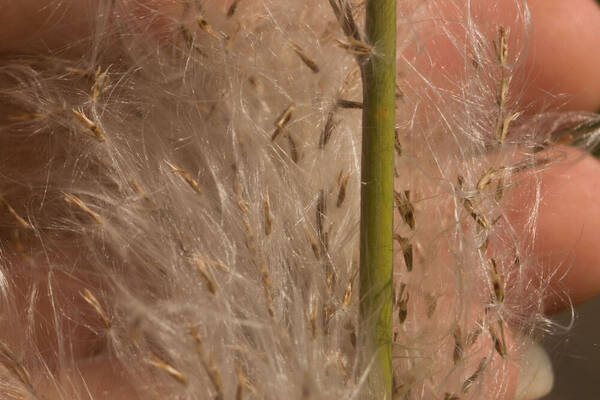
[562, 60]
[569, 189]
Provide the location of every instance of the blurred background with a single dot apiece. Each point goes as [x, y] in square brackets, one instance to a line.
[576, 354]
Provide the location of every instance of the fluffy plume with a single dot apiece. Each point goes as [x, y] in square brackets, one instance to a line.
[180, 205]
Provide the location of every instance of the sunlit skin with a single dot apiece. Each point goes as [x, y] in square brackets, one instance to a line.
[562, 61]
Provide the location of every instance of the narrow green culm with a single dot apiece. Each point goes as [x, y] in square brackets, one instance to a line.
[376, 227]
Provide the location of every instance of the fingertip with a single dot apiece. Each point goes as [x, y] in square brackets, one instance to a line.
[536, 377]
[564, 55]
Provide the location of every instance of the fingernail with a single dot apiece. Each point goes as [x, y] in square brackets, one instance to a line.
[536, 377]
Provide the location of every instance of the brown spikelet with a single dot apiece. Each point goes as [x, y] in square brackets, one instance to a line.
[343, 184]
[473, 335]
[205, 26]
[402, 303]
[25, 117]
[506, 124]
[209, 365]
[468, 383]
[267, 286]
[431, 302]
[343, 369]
[16, 368]
[313, 318]
[101, 81]
[458, 345]
[314, 244]
[92, 128]
[497, 281]
[241, 382]
[258, 259]
[187, 35]
[405, 207]
[502, 121]
[294, 153]
[20, 220]
[503, 93]
[499, 340]
[347, 294]
[17, 242]
[450, 396]
[355, 47]
[141, 193]
[169, 369]
[329, 311]
[268, 217]
[485, 179]
[484, 245]
[397, 144]
[330, 275]
[480, 219]
[343, 103]
[500, 186]
[186, 177]
[208, 279]
[321, 213]
[76, 201]
[232, 8]
[327, 131]
[308, 61]
[190, 41]
[501, 46]
[407, 251]
[501, 100]
[92, 300]
[343, 14]
[532, 163]
[399, 92]
[240, 202]
[283, 119]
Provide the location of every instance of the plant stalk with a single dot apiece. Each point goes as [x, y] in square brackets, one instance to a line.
[377, 190]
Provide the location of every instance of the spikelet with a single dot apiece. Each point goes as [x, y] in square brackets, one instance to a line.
[181, 206]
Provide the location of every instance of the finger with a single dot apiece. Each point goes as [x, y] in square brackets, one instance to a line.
[567, 222]
[565, 239]
[558, 56]
[564, 56]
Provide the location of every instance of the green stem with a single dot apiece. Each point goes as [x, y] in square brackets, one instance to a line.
[376, 228]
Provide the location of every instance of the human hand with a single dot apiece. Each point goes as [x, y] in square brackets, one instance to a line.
[567, 221]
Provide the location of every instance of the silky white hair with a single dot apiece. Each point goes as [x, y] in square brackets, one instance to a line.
[180, 201]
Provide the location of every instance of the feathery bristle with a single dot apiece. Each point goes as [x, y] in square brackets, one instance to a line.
[197, 164]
